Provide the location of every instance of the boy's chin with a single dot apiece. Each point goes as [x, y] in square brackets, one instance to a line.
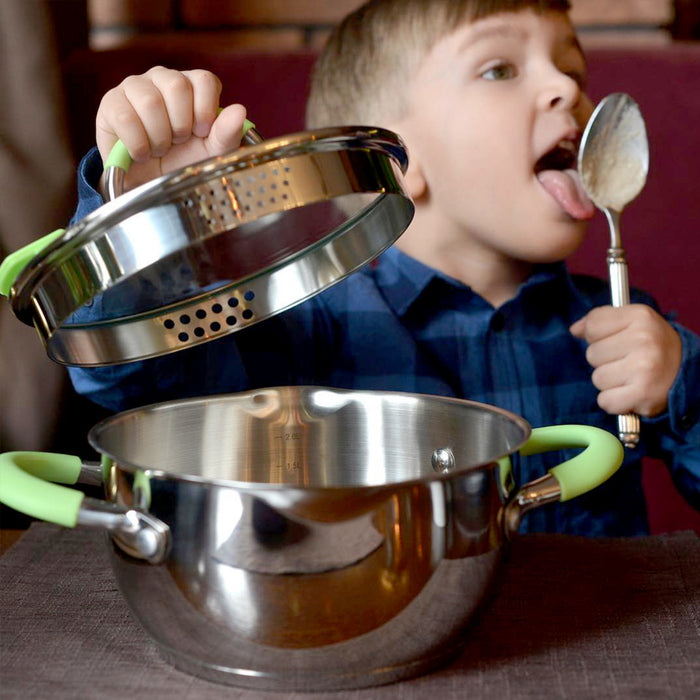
[560, 247]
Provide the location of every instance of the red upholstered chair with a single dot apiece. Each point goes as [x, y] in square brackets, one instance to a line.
[661, 230]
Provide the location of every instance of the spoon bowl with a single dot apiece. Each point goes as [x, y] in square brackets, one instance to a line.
[613, 165]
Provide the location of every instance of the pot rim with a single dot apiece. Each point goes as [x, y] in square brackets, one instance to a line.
[267, 487]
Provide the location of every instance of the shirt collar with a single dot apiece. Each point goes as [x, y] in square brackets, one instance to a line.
[403, 279]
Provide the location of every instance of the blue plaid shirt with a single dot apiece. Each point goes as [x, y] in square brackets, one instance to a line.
[400, 325]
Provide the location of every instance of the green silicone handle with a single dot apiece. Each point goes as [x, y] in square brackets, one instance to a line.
[118, 157]
[25, 485]
[15, 262]
[601, 458]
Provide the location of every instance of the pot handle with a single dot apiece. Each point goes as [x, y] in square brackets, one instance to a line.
[117, 163]
[601, 458]
[29, 483]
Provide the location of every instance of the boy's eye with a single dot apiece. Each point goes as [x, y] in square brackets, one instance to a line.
[501, 71]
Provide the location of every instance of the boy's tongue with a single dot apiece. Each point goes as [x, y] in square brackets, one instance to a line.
[566, 188]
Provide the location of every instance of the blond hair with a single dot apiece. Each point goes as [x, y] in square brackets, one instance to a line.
[360, 76]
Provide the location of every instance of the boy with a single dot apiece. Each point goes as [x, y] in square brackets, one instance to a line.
[473, 300]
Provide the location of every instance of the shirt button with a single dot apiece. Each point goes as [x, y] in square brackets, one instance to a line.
[687, 422]
[498, 322]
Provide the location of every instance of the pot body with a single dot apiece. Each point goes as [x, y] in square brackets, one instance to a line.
[320, 539]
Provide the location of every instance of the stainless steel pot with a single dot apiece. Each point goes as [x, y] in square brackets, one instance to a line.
[303, 537]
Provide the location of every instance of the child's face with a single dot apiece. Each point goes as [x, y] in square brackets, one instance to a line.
[486, 105]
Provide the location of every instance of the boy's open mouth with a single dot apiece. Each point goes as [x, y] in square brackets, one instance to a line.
[557, 173]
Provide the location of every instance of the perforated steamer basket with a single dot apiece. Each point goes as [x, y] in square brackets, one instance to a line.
[215, 247]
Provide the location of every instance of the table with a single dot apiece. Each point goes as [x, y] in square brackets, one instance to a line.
[574, 618]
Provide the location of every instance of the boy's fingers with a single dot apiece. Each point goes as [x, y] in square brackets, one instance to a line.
[578, 329]
[117, 119]
[176, 93]
[601, 322]
[226, 132]
[152, 112]
[158, 117]
[611, 375]
[617, 400]
[206, 90]
[602, 352]
[147, 100]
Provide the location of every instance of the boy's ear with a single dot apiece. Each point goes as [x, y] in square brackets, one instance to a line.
[415, 180]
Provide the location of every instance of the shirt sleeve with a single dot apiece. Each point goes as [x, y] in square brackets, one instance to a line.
[89, 174]
[294, 347]
[678, 431]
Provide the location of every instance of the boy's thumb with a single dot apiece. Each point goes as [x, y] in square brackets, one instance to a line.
[578, 329]
[227, 130]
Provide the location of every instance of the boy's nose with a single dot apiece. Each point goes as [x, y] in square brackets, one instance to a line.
[561, 92]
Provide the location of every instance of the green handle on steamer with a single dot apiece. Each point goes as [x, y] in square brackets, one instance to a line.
[119, 157]
[15, 262]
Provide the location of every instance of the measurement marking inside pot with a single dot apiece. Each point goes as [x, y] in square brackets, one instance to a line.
[289, 466]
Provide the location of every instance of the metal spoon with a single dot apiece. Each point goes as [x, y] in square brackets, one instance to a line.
[613, 164]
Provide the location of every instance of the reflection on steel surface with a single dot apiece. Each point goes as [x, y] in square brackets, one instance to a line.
[220, 245]
[314, 546]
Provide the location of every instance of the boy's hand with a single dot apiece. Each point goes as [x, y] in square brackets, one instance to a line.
[167, 119]
[635, 354]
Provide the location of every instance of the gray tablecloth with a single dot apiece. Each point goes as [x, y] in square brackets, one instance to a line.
[575, 618]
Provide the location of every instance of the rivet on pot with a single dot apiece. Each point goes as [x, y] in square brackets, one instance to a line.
[443, 459]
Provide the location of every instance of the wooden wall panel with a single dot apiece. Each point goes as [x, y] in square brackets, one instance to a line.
[231, 12]
[621, 12]
[306, 22]
[131, 13]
